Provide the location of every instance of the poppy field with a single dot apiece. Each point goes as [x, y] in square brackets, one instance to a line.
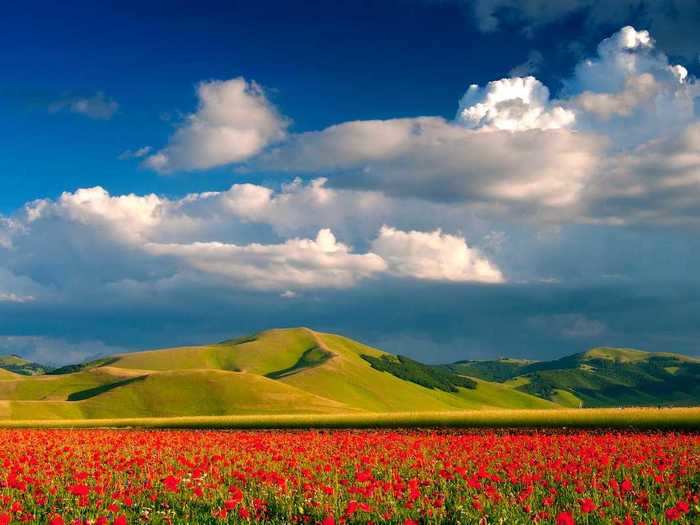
[348, 476]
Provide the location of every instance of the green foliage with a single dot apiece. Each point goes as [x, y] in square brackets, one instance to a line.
[416, 372]
[499, 370]
[71, 369]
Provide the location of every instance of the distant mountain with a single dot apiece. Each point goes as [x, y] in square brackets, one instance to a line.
[601, 377]
[284, 371]
[19, 365]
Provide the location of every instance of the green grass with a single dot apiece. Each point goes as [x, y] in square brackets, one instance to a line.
[298, 371]
[629, 418]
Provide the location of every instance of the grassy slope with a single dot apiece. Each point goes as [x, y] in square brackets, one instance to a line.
[316, 373]
[349, 379]
[610, 377]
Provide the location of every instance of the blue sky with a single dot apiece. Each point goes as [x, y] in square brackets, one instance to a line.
[327, 164]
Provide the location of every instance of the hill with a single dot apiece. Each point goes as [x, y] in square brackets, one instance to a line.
[600, 377]
[18, 365]
[283, 371]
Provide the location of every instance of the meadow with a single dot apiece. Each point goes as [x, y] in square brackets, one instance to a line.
[119, 477]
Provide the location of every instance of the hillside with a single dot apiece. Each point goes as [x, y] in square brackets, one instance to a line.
[285, 371]
[18, 365]
[601, 377]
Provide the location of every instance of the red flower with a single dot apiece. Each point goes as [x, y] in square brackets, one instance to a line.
[587, 505]
[565, 518]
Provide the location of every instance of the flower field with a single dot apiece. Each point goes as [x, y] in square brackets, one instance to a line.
[345, 476]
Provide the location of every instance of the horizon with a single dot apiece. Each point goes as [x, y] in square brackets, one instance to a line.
[462, 180]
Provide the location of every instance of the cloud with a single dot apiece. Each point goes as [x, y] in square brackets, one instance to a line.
[514, 104]
[514, 153]
[90, 242]
[657, 183]
[433, 255]
[233, 122]
[98, 106]
[135, 154]
[304, 263]
[433, 159]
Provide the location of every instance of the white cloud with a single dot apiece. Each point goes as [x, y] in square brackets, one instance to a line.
[513, 104]
[434, 256]
[631, 93]
[304, 263]
[233, 122]
[90, 242]
[98, 106]
[433, 159]
[637, 90]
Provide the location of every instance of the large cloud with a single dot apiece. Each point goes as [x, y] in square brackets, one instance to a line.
[434, 159]
[513, 152]
[90, 240]
[233, 122]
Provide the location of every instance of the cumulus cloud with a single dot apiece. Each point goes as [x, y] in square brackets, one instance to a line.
[512, 151]
[433, 255]
[306, 263]
[90, 242]
[514, 104]
[98, 106]
[434, 159]
[233, 122]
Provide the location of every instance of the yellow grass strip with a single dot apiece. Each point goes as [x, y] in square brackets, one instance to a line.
[631, 418]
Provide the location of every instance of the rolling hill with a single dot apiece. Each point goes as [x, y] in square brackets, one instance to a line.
[601, 377]
[284, 371]
[300, 371]
[18, 365]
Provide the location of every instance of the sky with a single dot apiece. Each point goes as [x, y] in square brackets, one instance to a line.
[442, 179]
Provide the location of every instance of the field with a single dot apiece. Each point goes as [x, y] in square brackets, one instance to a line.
[597, 418]
[105, 477]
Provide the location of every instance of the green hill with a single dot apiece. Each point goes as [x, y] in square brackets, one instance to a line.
[601, 377]
[285, 371]
[16, 364]
[300, 371]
